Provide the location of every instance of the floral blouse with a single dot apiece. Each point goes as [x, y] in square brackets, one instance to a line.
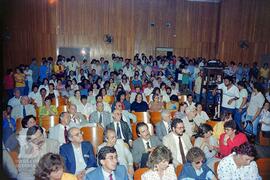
[227, 169]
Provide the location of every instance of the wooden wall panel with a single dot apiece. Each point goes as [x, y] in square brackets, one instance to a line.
[39, 27]
[244, 20]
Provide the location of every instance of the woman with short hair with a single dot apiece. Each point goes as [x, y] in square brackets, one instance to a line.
[51, 167]
[208, 144]
[158, 163]
[230, 139]
[239, 164]
[196, 167]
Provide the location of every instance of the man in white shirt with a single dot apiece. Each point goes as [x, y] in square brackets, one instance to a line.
[123, 153]
[15, 100]
[85, 107]
[188, 120]
[149, 89]
[77, 119]
[35, 96]
[230, 93]
[23, 109]
[241, 104]
[178, 142]
[60, 131]
[190, 100]
[255, 106]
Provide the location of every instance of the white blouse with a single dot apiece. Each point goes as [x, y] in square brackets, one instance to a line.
[169, 174]
[227, 169]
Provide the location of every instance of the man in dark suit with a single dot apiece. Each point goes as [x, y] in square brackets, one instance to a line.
[78, 155]
[164, 127]
[108, 168]
[121, 127]
[143, 145]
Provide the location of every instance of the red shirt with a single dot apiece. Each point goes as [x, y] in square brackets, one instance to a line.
[239, 139]
[8, 82]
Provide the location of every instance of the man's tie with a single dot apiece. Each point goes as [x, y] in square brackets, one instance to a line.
[148, 145]
[66, 134]
[118, 132]
[110, 177]
[169, 128]
[24, 111]
[100, 119]
[182, 151]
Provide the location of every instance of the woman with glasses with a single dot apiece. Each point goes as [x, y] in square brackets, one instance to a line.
[51, 167]
[158, 163]
[208, 143]
[230, 139]
[239, 164]
[196, 167]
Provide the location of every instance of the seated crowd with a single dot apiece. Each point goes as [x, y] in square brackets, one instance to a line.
[111, 95]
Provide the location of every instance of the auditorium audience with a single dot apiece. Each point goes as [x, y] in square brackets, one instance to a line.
[103, 86]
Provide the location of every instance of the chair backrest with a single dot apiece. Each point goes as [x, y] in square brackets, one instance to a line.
[178, 169]
[138, 173]
[264, 167]
[93, 134]
[62, 108]
[49, 121]
[18, 125]
[211, 123]
[60, 101]
[155, 117]
[182, 98]
[14, 156]
[215, 167]
[264, 141]
[173, 113]
[142, 116]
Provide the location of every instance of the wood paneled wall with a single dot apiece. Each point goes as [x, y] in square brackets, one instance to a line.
[244, 20]
[38, 27]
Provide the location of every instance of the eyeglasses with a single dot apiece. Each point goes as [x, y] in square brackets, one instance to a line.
[198, 162]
